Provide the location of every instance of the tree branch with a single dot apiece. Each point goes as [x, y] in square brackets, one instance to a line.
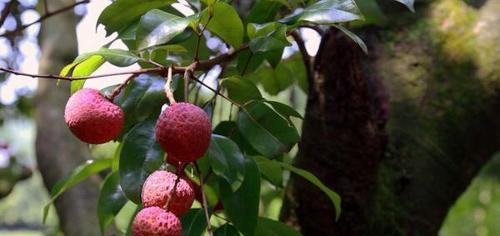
[305, 56]
[44, 17]
[6, 10]
[199, 66]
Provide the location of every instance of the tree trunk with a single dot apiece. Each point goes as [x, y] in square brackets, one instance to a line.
[437, 67]
[57, 151]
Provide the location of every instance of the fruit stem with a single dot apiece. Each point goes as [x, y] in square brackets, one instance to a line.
[119, 89]
[168, 90]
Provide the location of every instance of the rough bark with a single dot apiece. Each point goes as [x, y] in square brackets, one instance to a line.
[443, 125]
[57, 151]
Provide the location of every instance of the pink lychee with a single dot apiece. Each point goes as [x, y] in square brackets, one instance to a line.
[93, 118]
[154, 221]
[158, 191]
[183, 130]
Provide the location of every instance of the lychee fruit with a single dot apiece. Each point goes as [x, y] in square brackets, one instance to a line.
[158, 190]
[154, 221]
[93, 118]
[183, 130]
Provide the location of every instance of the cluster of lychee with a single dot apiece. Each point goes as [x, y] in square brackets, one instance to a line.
[183, 131]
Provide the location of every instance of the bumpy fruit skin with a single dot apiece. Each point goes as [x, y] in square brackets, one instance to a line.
[154, 221]
[158, 189]
[183, 130]
[93, 118]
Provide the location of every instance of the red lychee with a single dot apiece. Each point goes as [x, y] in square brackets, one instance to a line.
[183, 130]
[154, 221]
[158, 189]
[93, 118]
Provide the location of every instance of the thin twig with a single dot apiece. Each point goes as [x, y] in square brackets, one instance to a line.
[168, 90]
[44, 17]
[200, 34]
[204, 200]
[119, 89]
[200, 66]
[6, 10]
[216, 92]
[188, 72]
[305, 56]
[68, 78]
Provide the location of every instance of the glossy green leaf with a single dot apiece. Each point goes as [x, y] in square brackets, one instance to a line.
[266, 130]
[158, 27]
[371, 11]
[111, 200]
[331, 11]
[229, 129]
[84, 65]
[194, 222]
[271, 170]
[264, 11]
[142, 99]
[334, 197]
[140, 156]
[242, 206]
[354, 37]
[326, 12]
[241, 90]
[225, 23]
[268, 227]
[226, 160]
[117, 57]
[122, 13]
[408, 3]
[284, 110]
[76, 176]
[226, 230]
[267, 37]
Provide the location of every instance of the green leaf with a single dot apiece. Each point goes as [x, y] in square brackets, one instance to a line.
[117, 57]
[371, 11]
[266, 130]
[225, 23]
[268, 227]
[242, 206]
[158, 27]
[230, 129]
[284, 110]
[82, 66]
[76, 176]
[334, 197]
[267, 37]
[271, 170]
[142, 99]
[408, 3]
[122, 13]
[111, 200]
[331, 11]
[227, 230]
[273, 80]
[241, 90]
[194, 223]
[264, 11]
[354, 37]
[88, 63]
[326, 12]
[139, 157]
[226, 160]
